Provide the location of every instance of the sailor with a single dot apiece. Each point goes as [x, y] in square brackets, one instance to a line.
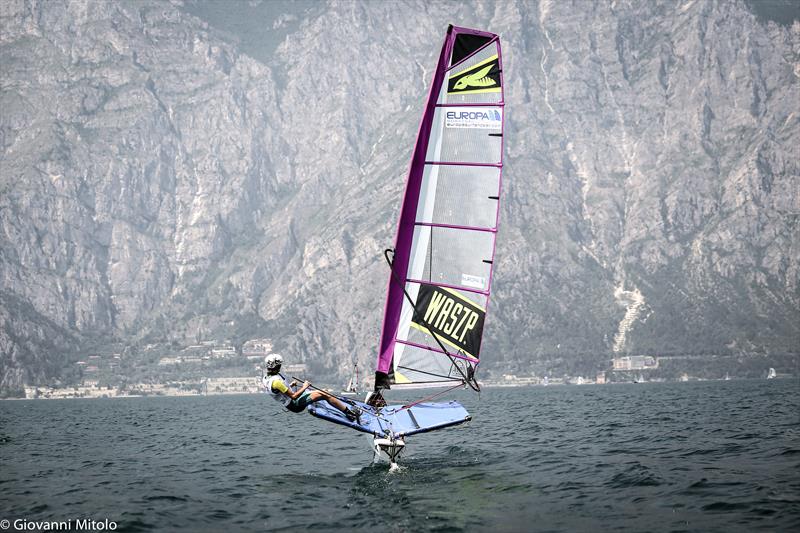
[296, 401]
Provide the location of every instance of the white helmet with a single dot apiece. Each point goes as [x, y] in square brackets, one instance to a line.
[273, 361]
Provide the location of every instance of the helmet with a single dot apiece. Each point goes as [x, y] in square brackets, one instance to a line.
[273, 361]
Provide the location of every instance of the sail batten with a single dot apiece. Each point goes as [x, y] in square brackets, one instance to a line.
[473, 104]
[447, 286]
[452, 226]
[464, 164]
[443, 259]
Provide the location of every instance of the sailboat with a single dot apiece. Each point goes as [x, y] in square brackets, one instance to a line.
[352, 385]
[771, 374]
[441, 265]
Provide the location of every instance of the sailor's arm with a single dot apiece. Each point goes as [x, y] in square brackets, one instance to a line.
[300, 391]
[279, 386]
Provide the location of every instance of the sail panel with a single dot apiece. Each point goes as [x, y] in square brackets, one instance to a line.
[447, 320]
[466, 43]
[475, 80]
[454, 256]
[457, 186]
[420, 368]
[467, 134]
[437, 367]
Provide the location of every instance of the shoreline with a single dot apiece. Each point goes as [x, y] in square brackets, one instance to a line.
[490, 385]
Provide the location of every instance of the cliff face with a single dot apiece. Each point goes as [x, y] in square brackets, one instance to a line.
[163, 177]
[663, 188]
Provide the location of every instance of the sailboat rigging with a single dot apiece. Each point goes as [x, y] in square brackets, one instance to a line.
[442, 262]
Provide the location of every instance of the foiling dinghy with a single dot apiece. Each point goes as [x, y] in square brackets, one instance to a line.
[442, 261]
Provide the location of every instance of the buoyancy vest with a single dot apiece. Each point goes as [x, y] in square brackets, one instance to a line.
[277, 396]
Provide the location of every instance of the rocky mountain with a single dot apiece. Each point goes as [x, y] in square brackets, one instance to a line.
[175, 170]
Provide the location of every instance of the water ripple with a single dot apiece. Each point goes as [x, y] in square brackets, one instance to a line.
[656, 457]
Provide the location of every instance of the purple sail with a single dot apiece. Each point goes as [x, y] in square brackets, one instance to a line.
[443, 258]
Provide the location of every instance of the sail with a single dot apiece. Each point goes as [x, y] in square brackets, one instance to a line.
[352, 385]
[439, 288]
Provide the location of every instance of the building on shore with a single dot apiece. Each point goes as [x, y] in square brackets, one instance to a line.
[257, 347]
[235, 385]
[221, 352]
[635, 362]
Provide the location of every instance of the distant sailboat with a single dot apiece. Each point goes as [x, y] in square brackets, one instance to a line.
[771, 374]
[352, 385]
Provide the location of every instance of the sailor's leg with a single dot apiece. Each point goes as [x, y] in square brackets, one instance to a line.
[319, 395]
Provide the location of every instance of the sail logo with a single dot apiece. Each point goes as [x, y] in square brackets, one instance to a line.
[476, 79]
[472, 117]
[454, 319]
[483, 77]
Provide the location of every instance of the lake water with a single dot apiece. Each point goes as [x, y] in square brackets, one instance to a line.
[713, 456]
